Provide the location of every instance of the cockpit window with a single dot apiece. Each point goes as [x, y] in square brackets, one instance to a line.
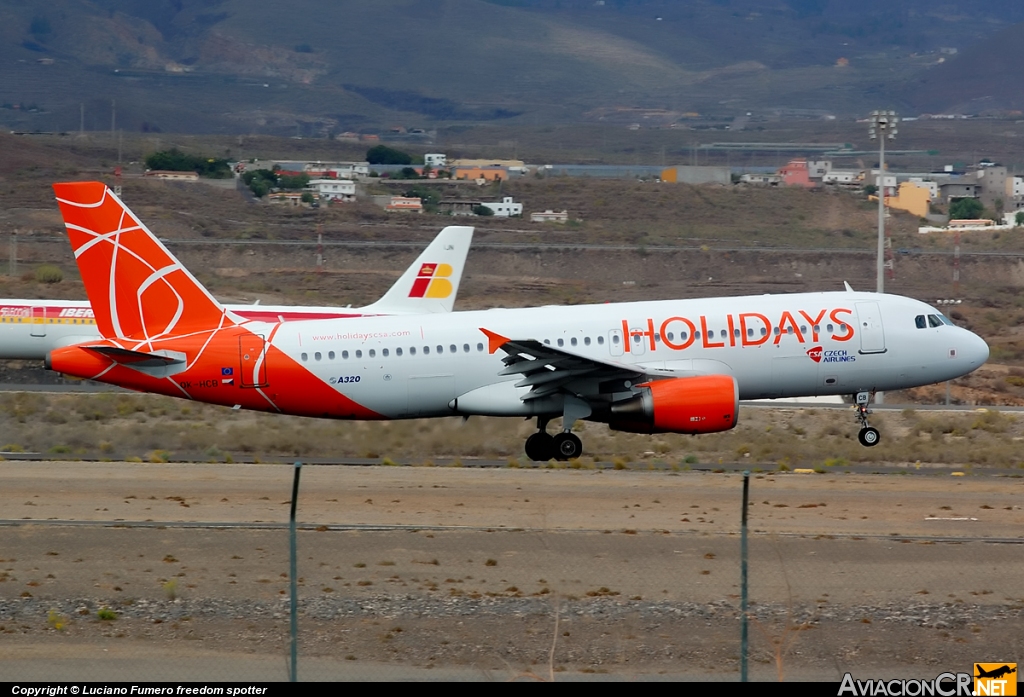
[920, 322]
[934, 321]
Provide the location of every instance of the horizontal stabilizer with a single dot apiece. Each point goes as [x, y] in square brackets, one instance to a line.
[135, 359]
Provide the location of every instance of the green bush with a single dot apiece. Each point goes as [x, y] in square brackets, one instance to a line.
[48, 273]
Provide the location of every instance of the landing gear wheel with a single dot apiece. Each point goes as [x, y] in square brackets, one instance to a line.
[540, 447]
[567, 446]
[869, 436]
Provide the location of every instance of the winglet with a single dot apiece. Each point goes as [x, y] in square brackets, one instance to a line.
[849, 288]
[494, 341]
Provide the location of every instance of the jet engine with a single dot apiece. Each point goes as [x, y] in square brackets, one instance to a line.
[699, 404]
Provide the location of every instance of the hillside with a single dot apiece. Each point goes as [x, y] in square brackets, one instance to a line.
[312, 68]
[984, 78]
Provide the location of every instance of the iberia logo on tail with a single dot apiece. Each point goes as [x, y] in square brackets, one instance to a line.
[432, 282]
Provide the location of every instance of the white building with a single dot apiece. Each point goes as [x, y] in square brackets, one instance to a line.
[933, 187]
[1015, 187]
[334, 189]
[760, 179]
[435, 160]
[817, 169]
[505, 209]
[550, 216]
[339, 170]
[841, 176]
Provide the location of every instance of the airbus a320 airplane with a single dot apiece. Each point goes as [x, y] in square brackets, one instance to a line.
[668, 366]
[29, 329]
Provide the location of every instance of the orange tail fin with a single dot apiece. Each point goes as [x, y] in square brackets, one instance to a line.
[137, 289]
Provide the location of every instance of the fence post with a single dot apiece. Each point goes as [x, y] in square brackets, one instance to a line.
[743, 578]
[293, 566]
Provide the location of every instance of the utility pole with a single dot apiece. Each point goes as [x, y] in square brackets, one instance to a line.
[883, 125]
[13, 269]
[319, 247]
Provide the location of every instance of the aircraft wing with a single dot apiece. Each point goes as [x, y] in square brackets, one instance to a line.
[548, 370]
[432, 282]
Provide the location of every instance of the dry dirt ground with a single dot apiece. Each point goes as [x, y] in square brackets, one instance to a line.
[449, 573]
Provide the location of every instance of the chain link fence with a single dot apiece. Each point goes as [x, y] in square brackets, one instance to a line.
[572, 594]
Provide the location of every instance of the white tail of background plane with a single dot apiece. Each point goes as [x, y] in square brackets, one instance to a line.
[432, 282]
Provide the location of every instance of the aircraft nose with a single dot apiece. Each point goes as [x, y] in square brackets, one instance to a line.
[976, 350]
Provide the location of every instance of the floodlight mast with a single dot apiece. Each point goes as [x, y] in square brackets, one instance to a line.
[883, 126]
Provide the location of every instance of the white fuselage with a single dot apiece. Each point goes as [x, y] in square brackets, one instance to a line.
[773, 345]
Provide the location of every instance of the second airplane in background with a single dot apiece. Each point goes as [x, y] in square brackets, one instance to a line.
[30, 329]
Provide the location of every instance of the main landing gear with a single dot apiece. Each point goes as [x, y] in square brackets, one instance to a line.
[542, 447]
[868, 436]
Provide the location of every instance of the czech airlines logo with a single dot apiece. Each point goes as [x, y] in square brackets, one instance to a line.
[815, 354]
[432, 282]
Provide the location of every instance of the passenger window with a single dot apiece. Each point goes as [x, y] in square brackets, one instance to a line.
[384, 353]
[412, 350]
[344, 354]
[934, 321]
[763, 331]
[817, 328]
[373, 353]
[696, 335]
[919, 322]
[828, 328]
[547, 341]
[331, 355]
[615, 340]
[359, 354]
[426, 350]
[600, 340]
[803, 329]
[573, 341]
[398, 351]
[657, 338]
[789, 329]
[671, 336]
[305, 357]
[317, 356]
[440, 349]
[846, 329]
[750, 331]
[453, 348]
[586, 340]
[465, 348]
[561, 343]
[736, 333]
[636, 338]
[479, 347]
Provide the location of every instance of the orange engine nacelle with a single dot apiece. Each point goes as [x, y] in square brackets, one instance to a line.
[700, 404]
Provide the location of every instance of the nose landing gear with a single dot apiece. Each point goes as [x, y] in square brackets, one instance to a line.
[867, 436]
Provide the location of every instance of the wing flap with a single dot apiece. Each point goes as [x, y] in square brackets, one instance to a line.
[548, 370]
